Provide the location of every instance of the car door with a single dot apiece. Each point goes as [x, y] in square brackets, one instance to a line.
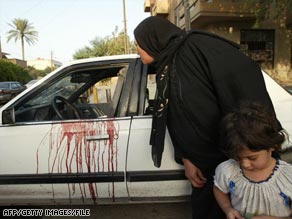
[168, 183]
[146, 182]
[47, 159]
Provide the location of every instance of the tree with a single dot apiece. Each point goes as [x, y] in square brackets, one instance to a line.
[13, 72]
[36, 73]
[109, 45]
[271, 9]
[24, 31]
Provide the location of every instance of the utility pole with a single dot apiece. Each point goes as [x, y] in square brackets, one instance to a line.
[52, 61]
[125, 29]
[0, 49]
[187, 15]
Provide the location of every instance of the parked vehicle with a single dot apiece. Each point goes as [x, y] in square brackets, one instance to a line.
[9, 89]
[65, 141]
[28, 84]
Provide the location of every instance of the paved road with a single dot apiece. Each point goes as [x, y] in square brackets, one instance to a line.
[127, 211]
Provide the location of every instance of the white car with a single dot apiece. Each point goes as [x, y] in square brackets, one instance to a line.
[81, 135]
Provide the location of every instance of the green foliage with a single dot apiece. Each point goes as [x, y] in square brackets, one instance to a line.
[269, 9]
[109, 45]
[36, 73]
[12, 72]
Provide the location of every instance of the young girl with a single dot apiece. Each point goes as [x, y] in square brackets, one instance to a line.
[253, 184]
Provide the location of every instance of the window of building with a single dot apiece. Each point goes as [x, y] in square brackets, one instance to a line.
[259, 45]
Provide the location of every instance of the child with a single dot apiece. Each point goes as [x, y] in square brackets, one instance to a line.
[253, 184]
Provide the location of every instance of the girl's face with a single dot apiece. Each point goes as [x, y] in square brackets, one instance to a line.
[255, 160]
[145, 57]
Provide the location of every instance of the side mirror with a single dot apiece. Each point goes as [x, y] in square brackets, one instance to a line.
[8, 116]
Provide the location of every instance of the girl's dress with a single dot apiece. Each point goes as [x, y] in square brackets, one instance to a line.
[269, 197]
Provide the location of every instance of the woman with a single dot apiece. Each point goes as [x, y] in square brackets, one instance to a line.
[200, 77]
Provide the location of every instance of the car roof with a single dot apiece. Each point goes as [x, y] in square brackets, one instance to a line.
[95, 59]
[103, 58]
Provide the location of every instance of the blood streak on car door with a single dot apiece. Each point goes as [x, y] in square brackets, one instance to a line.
[73, 150]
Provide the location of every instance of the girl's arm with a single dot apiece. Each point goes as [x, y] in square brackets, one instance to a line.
[269, 217]
[225, 204]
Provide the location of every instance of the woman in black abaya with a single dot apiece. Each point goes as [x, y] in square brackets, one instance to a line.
[200, 77]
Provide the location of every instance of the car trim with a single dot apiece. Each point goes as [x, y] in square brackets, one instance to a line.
[132, 176]
[164, 175]
[143, 87]
[183, 198]
[134, 93]
[55, 178]
[128, 86]
[54, 122]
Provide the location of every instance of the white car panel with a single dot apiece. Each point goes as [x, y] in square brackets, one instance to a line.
[141, 164]
[50, 160]
[68, 147]
[282, 101]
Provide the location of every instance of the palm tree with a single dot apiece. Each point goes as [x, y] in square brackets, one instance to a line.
[24, 31]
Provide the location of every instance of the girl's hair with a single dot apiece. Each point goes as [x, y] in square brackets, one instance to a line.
[251, 126]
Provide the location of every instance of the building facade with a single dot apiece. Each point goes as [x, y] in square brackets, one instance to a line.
[21, 63]
[268, 41]
[42, 64]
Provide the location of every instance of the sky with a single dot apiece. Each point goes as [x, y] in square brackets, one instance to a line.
[64, 26]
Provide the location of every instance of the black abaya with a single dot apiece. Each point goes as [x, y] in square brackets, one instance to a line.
[204, 77]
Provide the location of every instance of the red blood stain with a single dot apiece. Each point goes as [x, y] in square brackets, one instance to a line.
[69, 151]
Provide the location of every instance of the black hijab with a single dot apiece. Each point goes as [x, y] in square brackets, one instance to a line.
[160, 39]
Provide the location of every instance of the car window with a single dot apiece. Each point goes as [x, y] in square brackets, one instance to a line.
[151, 92]
[91, 92]
[151, 85]
[4, 85]
[14, 86]
[101, 92]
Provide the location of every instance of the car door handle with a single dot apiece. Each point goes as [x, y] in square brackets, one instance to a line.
[97, 137]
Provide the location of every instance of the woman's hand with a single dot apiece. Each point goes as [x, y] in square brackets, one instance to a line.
[194, 174]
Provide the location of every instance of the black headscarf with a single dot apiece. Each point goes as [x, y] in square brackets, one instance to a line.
[160, 39]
